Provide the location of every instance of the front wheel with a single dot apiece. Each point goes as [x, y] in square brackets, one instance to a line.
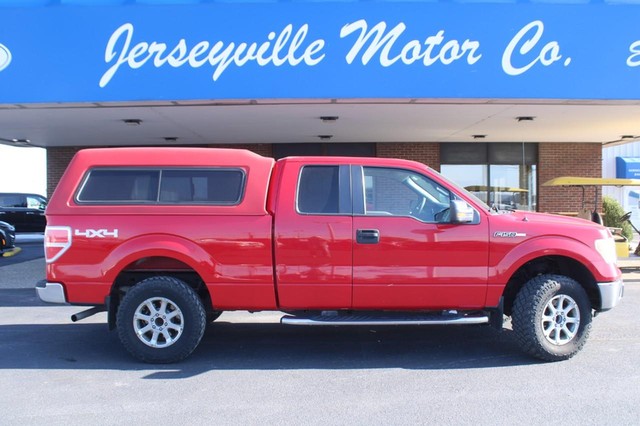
[212, 316]
[161, 320]
[552, 317]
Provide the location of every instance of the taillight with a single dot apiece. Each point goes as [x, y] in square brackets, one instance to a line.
[57, 240]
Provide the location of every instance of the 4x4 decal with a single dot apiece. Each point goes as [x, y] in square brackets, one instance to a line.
[96, 233]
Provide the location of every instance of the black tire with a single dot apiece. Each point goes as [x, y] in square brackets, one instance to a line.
[535, 311]
[213, 315]
[170, 320]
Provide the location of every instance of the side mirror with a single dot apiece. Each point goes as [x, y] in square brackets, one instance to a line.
[461, 212]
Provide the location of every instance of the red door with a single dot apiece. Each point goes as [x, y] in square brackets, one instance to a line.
[313, 243]
[407, 254]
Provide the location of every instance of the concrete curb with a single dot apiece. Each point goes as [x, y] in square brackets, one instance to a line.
[29, 238]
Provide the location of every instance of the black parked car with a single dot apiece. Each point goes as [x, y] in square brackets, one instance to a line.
[7, 236]
[24, 211]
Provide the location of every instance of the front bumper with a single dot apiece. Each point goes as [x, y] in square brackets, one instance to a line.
[610, 294]
[51, 292]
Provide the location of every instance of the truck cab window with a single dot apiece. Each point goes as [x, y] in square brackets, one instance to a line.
[319, 190]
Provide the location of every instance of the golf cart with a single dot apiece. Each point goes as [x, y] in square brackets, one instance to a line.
[593, 215]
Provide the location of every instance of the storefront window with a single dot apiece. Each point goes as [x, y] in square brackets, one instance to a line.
[473, 177]
[513, 186]
[505, 177]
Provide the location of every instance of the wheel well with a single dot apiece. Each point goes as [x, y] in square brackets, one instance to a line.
[559, 265]
[147, 267]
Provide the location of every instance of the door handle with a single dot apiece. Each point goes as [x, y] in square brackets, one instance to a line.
[367, 236]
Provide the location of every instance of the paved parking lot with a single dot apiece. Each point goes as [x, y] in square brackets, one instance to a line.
[251, 370]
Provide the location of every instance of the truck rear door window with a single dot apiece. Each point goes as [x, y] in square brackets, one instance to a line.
[163, 186]
[319, 190]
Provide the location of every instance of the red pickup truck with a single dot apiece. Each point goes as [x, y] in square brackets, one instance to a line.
[166, 239]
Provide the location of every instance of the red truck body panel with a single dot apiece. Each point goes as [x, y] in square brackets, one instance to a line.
[418, 264]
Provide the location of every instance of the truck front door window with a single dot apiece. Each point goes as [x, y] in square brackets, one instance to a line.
[398, 192]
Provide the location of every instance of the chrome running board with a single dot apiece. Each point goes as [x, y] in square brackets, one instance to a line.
[387, 318]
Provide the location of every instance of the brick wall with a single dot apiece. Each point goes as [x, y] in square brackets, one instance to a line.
[263, 149]
[567, 159]
[427, 153]
[57, 161]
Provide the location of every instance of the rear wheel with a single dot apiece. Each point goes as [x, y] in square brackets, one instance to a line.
[161, 320]
[552, 317]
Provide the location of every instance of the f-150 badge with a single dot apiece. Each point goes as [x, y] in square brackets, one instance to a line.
[504, 234]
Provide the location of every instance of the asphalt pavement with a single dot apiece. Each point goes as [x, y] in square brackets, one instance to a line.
[27, 267]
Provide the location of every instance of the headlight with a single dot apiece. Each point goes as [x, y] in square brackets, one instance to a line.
[607, 249]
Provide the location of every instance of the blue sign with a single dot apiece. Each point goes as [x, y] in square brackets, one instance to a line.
[628, 167]
[319, 50]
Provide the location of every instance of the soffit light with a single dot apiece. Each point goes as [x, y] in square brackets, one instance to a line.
[132, 121]
[15, 141]
[329, 118]
[325, 137]
[525, 118]
[624, 139]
